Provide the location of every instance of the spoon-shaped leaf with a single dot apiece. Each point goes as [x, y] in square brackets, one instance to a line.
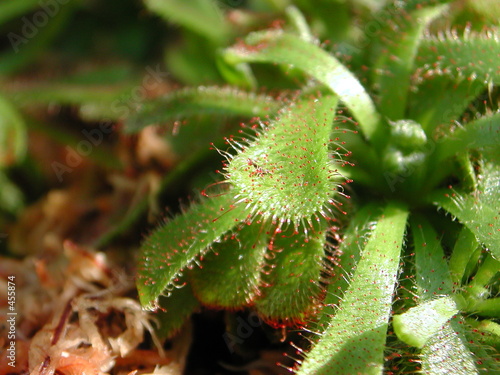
[174, 246]
[287, 173]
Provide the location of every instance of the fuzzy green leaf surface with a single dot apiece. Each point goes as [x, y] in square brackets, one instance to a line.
[291, 288]
[472, 56]
[189, 102]
[287, 173]
[446, 352]
[105, 99]
[417, 325]
[478, 134]
[75, 90]
[230, 273]
[433, 277]
[281, 48]
[488, 330]
[438, 103]
[354, 341]
[354, 240]
[485, 275]
[175, 310]
[174, 246]
[479, 210]
[395, 53]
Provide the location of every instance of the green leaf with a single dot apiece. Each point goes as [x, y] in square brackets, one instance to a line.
[239, 75]
[354, 341]
[485, 10]
[319, 13]
[489, 308]
[230, 273]
[199, 101]
[464, 247]
[432, 273]
[487, 273]
[299, 24]
[481, 135]
[287, 173]
[174, 246]
[417, 325]
[447, 353]
[282, 48]
[478, 134]
[472, 56]
[13, 9]
[291, 284]
[175, 310]
[356, 235]
[395, 50]
[433, 281]
[489, 332]
[47, 93]
[480, 210]
[474, 261]
[438, 103]
[13, 136]
[200, 16]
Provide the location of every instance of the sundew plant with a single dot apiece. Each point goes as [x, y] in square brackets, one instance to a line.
[337, 163]
[359, 199]
[355, 208]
